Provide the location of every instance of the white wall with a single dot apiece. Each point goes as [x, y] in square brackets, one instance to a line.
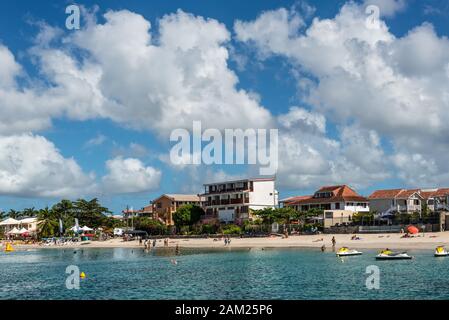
[264, 195]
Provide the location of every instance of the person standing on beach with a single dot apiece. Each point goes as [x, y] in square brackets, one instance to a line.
[154, 243]
[333, 242]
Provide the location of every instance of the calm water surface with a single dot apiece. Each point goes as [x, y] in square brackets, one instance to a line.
[225, 274]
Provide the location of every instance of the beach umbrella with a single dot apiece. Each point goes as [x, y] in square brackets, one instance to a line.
[412, 229]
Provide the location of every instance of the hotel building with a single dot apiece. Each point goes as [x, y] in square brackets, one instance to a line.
[234, 201]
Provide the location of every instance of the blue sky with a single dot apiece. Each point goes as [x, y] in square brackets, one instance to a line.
[367, 153]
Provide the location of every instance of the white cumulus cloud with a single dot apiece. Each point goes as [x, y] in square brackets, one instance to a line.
[129, 175]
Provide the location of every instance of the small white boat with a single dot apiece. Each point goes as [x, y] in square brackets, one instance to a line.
[440, 251]
[390, 255]
[344, 251]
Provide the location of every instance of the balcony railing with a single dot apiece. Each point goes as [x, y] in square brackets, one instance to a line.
[228, 190]
[226, 202]
[408, 208]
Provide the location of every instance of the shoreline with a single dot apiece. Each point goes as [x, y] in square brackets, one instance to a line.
[367, 241]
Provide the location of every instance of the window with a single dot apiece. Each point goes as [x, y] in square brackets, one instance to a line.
[337, 205]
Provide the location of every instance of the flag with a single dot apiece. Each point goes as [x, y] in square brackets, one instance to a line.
[77, 226]
[60, 226]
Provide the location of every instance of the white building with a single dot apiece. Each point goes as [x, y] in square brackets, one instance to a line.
[234, 201]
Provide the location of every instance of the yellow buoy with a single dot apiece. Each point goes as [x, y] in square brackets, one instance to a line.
[9, 248]
[82, 275]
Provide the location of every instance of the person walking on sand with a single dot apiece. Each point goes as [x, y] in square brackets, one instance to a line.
[334, 242]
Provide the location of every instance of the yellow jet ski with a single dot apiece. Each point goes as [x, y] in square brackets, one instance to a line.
[390, 255]
[440, 251]
[345, 251]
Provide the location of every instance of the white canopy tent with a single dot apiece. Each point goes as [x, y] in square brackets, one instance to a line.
[14, 231]
[86, 228]
[23, 230]
[9, 222]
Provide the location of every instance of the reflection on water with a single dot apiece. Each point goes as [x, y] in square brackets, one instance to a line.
[227, 273]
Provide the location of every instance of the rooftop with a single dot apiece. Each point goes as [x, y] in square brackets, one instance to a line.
[339, 193]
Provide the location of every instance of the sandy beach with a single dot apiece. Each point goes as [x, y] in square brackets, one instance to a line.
[368, 241]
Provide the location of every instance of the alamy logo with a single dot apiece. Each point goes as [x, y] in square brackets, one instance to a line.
[262, 147]
[373, 280]
[73, 20]
[373, 20]
[73, 280]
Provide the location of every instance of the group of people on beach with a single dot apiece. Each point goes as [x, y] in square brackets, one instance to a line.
[334, 242]
[148, 243]
[227, 240]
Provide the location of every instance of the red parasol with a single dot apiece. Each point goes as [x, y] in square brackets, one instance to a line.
[412, 229]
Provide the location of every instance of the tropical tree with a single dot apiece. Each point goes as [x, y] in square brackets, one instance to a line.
[64, 210]
[14, 214]
[149, 225]
[29, 212]
[187, 215]
[279, 215]
[47, 223]
[90, 213]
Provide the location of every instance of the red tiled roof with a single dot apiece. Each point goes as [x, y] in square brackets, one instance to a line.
[328, 188]
[441, 192]
[393, 194]
[296, 198]
[385, 194]
[427, 194]
[340, 193]
[405, 194]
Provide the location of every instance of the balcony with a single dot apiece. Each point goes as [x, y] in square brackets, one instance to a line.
[226, 202]
[408, 208]
[228, 190]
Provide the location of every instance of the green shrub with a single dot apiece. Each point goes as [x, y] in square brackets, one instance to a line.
[231, 229]
[208, 229]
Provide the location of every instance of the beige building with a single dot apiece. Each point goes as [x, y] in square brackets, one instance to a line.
[333, 217]
[166, 205]
[396, 200]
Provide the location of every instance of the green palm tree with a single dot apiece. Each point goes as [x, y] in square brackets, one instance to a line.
[90, 213]
[29, 212]
[14, 214]
[64, 210]
[47, 222]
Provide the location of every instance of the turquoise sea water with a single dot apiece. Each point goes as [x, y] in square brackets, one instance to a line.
[223, 274]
